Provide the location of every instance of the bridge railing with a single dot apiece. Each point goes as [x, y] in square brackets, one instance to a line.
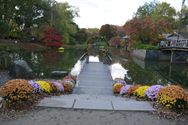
[183, 43]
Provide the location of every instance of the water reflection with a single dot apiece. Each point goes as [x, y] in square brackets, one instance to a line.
[75, 71]
[117, 71]
[43, 63]
[94, 58]
[147, 72]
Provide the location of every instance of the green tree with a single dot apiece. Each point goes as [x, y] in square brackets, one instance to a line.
[63, 21]
[23, 13]
[157, 11]
[183, 16]
[165, 11]
[145, 10]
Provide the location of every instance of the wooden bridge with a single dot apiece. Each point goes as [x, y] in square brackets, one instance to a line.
[94, 79]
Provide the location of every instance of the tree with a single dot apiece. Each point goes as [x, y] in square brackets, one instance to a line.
[164, 11]
[146, 10]
[23, 14]
[183, 16]
[156, 11]
[145, 30]
[81, 36]
[108, 31]
[63, 21]
[52, 37]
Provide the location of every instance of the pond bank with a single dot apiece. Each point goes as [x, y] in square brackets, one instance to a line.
[158, 55]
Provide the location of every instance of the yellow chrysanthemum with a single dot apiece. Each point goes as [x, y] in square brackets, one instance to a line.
[117, 87]
[140, 92]
[45, 86]
[170, 95]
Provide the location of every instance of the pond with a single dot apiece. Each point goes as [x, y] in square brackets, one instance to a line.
[151, 72]
[44, 63]
[138, 72]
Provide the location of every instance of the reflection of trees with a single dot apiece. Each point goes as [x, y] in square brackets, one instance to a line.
[176, 73]
[139, 75]
[45, 62]
[148, 75]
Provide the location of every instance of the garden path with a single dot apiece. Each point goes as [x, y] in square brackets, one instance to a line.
[94, 91]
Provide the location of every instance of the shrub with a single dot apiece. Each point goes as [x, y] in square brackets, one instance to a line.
[16, 90]
[140, 92]
[52, 37]
[117, 87]
[172, 97]
[152, 92]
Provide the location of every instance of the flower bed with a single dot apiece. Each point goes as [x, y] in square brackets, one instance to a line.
[171, 97]
[17, 91]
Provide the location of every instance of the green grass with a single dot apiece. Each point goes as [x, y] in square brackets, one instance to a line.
[146, 47]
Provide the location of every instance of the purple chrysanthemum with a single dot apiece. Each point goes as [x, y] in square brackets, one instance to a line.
[120, 81]
[124, 89]
[36, 87]
[59, 86]
[152, 91]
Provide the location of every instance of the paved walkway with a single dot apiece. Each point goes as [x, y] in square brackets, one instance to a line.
[94, 79]
[94, 91]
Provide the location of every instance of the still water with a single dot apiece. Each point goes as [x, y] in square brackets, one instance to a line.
[151, 72]
[44, 63]
[137, 71]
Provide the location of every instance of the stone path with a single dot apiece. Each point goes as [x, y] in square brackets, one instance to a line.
[96, 102]
[94, 91]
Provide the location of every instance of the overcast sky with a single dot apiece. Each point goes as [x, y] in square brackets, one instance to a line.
[95, 13]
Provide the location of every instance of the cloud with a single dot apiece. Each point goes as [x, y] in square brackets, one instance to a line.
[95, 13]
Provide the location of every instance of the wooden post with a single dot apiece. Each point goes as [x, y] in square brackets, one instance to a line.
[171, 59]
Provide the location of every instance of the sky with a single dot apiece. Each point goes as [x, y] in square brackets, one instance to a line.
[95, 13]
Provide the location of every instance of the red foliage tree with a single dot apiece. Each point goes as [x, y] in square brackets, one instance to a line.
[51, 37]
[146, 30]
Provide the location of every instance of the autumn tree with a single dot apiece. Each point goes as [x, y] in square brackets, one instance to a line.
[52, 37]
[108, 31]
[145, 30]
[81, 36]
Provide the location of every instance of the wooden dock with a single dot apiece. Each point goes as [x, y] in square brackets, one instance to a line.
[94, 79]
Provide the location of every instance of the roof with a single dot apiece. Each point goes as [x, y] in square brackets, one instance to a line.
[174, 36]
